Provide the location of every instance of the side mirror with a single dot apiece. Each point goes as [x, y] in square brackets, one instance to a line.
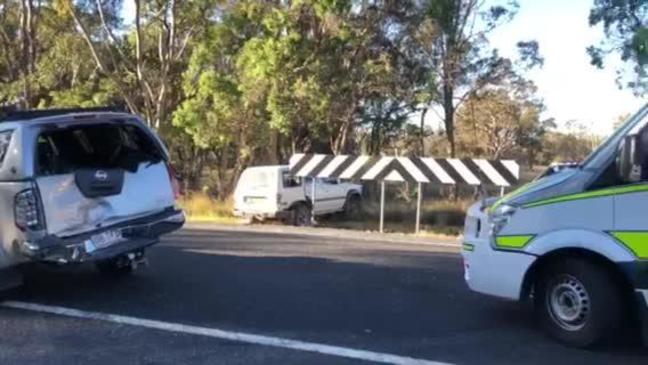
[628, 159]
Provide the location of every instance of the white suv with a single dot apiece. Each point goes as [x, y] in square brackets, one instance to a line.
[266, 192]
[82, 185]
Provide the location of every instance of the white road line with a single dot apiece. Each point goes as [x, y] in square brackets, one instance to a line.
[221, 334]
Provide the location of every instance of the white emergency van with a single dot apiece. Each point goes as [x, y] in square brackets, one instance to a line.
[575, 241]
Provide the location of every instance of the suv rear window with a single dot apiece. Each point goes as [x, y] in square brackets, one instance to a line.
[62, 151]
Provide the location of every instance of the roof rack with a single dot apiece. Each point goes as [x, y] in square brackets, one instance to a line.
[12, 114]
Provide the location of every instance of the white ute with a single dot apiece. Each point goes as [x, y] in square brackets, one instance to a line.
[270, 192]
[576, 241]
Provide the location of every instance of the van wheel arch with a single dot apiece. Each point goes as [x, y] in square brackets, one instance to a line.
[353, 193]
[563, 253]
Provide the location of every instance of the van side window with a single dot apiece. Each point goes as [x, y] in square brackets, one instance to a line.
[290, 181]
[642, 158]
[630, 165]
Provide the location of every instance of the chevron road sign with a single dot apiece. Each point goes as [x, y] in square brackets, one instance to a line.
[426, 170]
[419, 170]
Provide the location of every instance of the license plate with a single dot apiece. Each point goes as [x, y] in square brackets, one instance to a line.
[107, 238]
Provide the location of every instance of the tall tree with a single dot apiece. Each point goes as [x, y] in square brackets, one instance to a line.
[461, 60]
[19, 22]
[144, 65]
[497, 124]
[625, 23]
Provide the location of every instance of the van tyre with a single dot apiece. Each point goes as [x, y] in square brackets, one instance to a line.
[301, 215]
[578, 302]
[353, 206]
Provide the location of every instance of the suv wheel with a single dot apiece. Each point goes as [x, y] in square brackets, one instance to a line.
[301, 215]
[578, 302]
[353, 206]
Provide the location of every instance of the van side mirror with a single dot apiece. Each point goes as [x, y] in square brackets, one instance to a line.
[628, 159]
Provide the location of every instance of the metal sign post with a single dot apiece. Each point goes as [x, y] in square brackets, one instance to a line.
[382, 205]
[418, 208]
[313, 200]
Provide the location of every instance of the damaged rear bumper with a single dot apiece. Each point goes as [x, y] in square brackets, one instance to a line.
[136, 234]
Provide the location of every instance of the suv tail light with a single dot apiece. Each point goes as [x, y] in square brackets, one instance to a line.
[27, 213]
[175, 184]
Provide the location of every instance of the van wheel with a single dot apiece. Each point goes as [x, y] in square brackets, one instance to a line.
[353, 207]
[116, 267]
[578, 302]
[301, 215]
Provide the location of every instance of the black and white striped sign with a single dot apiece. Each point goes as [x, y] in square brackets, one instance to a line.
[448, 171]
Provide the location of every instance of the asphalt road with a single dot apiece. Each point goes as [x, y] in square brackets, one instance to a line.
[384, 297]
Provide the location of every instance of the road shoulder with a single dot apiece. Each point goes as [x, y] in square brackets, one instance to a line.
[330, 233]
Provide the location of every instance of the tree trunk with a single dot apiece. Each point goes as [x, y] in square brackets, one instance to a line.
[449, 114]
[422, 131]
[27, 50]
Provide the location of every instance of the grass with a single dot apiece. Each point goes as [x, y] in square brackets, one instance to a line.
[200, 207]
[442, 217]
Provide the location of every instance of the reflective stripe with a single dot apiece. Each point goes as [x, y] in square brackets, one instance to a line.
[310, 165]
[590, 194]
[335, 163]
[463, 171]
[637, 242]
[513, 241]
[354, 167]
[377, 168]
[468, 247]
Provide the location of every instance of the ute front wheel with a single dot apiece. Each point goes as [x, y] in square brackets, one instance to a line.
[353, 207]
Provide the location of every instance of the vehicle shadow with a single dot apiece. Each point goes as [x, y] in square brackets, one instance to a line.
[395, 300]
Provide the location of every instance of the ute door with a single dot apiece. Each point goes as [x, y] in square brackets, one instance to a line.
[333, 195]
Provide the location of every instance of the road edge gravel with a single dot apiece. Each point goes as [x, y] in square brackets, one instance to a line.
[329, 233]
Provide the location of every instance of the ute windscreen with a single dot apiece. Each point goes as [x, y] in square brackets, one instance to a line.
[63, 151]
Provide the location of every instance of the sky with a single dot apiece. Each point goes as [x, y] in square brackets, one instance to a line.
[571, 88]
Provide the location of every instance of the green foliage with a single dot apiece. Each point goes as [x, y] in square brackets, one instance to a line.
[461, 61]
[234, 83]
[625, 23]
